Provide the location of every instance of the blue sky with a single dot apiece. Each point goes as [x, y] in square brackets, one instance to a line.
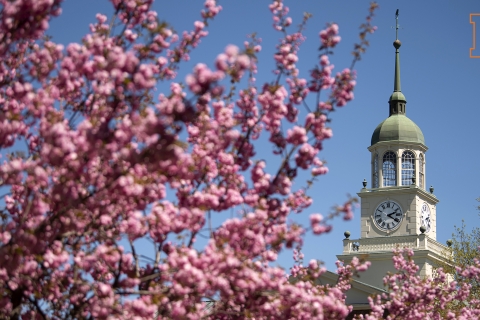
[439, 80]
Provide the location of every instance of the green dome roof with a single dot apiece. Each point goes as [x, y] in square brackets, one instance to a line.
[398, 127]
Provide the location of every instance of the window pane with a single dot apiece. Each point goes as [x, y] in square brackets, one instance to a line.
[389, 169]
[375, 171]
[420, 170]
[408, 167]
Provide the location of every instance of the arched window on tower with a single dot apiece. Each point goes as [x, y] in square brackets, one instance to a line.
[420, 172]
[408, 167]
[375, 171]
[389, 169]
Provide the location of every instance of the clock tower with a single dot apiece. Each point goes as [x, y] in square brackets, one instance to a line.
[397, 211]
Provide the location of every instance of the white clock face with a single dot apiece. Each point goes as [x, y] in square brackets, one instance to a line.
[388, 215]
[425, 216]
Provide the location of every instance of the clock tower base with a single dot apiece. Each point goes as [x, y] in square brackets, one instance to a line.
[428, 254]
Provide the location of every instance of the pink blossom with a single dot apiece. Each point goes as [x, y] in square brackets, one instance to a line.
[329, 37]
[297, 135]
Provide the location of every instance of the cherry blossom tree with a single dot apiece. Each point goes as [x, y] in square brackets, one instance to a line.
[415, 298]
[462, 253]
[95, 161]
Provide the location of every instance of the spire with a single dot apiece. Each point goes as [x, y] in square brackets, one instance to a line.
[397, 44]
[397, 99]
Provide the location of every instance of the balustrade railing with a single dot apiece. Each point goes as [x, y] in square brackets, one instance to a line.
[415, 242]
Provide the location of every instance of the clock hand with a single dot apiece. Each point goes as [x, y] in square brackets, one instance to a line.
[390, 216]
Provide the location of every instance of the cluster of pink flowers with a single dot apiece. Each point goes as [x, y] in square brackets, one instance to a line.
[233, 63]
[321, 77]
[203, 79]
[410, 296]
[329, 37]
[343, 87]
[107, 168]
[317, 226]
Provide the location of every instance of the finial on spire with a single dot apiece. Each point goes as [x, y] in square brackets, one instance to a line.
[396, 25]
[397, 42]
